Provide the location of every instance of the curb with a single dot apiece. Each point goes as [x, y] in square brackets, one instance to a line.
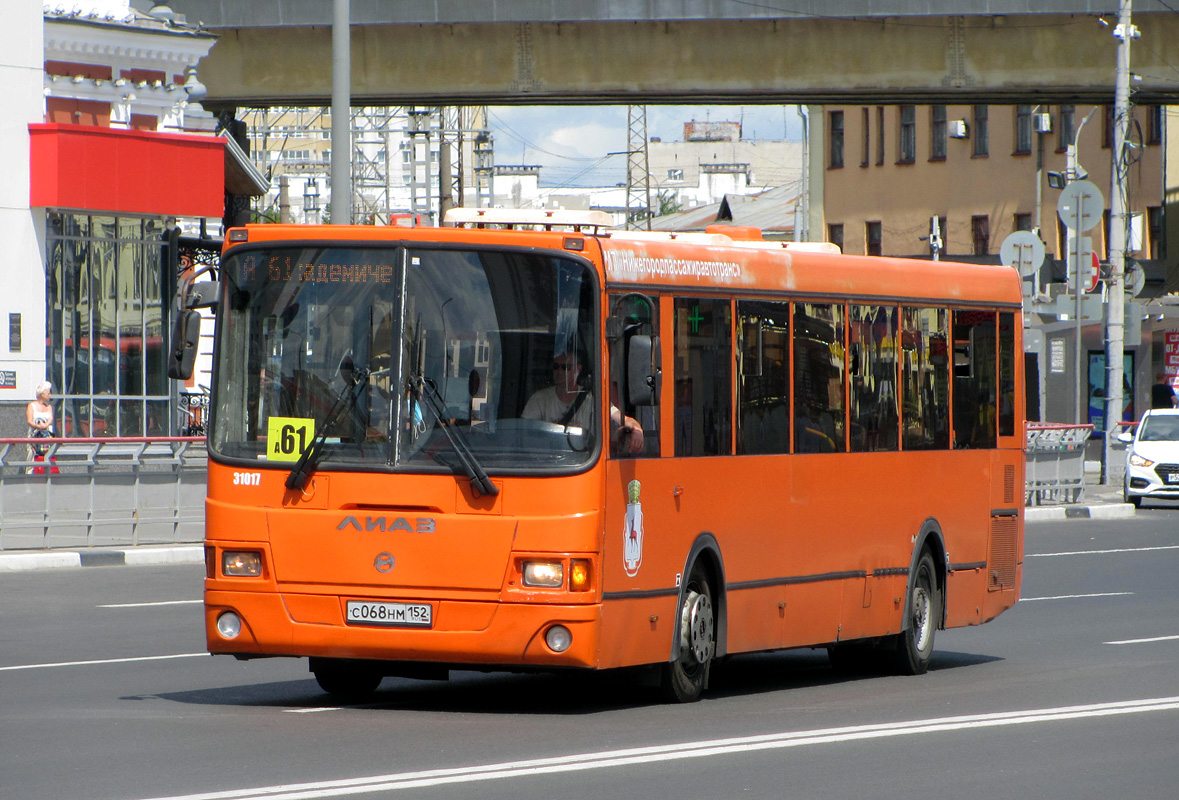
[134, 556]
[1060, 513]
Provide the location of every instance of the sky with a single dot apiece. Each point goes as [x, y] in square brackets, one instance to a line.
[572, 143]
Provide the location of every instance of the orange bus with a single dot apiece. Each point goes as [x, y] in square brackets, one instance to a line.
[544, 446]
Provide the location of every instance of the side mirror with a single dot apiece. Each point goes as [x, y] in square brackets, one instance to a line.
[186, 333]
[1125, 437]
[642, 372]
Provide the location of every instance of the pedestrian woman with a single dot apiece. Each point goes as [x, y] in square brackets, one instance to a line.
[39, 414]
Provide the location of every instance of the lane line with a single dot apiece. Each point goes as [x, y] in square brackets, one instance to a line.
[674, 752]
[315, 710]
[150, 605]
[1146, 641]
[1103, 552]
[1076, 596]
[102, 661]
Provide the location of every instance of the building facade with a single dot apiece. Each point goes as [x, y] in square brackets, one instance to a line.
[108, 156]
[954, 181]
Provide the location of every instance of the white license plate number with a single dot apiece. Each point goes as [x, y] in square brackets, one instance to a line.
[393, 615]
[1173, 477]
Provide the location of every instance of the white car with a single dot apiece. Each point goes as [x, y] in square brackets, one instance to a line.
[1152, 458]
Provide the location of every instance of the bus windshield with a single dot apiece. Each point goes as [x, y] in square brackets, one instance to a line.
[397, 358]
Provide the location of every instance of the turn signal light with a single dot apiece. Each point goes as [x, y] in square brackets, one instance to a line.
[241, 563]
[579, 575]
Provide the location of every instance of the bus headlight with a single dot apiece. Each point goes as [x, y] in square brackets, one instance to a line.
[229, 625]
[241, 563]
[544, 573]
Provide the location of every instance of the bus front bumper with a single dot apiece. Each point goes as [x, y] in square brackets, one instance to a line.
[461, 631]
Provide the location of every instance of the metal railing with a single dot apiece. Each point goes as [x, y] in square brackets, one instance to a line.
[1055, 463]
[101, 492]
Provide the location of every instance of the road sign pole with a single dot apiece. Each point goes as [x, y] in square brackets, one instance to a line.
[1075, 259]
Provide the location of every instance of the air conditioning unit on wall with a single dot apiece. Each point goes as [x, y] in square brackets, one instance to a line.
[1042, 123]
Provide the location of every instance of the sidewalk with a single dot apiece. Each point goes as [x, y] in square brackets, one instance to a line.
[25, 560]
[1097, 502]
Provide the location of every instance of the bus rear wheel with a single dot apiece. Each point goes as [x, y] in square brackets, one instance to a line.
[348, 680]
[913, 647]
[686, 678]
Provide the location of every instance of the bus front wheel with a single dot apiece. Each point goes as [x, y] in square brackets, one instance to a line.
[914, 645]
[683, 680]
[346, 680]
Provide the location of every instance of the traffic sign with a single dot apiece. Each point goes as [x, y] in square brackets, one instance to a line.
[1135, 279]
[1081, 253]
[1080, 205]
[1024, 251]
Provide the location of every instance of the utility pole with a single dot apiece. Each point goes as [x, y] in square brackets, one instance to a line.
[1115, 310]
[341, 113]
[638, 173]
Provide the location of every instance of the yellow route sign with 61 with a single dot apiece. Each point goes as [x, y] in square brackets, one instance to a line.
[288, 437]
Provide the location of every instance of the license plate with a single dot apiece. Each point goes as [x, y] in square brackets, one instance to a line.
[394, 615]
[1172, 477]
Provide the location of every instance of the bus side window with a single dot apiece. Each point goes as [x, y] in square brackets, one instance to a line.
[975, 395]
[925, 378]
[633, 315]
[818, 378]
[763, 369]
[703, 377]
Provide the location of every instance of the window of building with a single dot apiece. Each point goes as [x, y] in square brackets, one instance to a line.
[866, 136]
[925, 378]
[937, 133]
[873, 399]
[819, 423]
[879, 135]
[835, 234]
[1156, 231]
[675, 174]
[980, 234]
[1107, 126]
[875, 238]
[1023, 222]
[703, 377]
[763, 373]
[1066, 131]
[1154, 124]
[1023, 130]
[982, 145]
[835, 141]
[907, 153]
[108, 282]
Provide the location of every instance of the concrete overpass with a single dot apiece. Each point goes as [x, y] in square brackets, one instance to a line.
[456, 52]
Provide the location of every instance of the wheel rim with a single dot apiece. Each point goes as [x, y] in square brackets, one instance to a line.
[697, 628]
[922, 618]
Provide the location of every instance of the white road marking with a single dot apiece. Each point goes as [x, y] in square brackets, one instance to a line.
[310, 710]
[149, 605]
[1076, 596]
[1103, 552]
[674, 752]
[1146, 641]
[102, 661]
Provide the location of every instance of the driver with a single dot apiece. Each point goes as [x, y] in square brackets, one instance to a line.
[566, 403]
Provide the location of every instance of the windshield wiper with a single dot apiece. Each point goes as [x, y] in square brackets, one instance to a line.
[346, 398]
[424, 389]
